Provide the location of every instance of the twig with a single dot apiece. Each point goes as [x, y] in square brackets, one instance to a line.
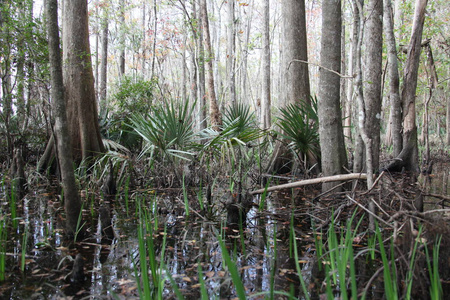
[371, 213]
[320, 66]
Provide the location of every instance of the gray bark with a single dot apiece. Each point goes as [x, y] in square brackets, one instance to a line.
[296, 76]
[330, 121]
[104, 60]
[395, 117]
[231, 52]
[214, 113]
[410, 86]
[372, 75]
[72, 202]
[265, 95]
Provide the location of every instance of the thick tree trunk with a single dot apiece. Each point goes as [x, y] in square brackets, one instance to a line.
[72, 203]
[330, 116]
[395, 117]
[265, 119]
[372, 75]
[296, 76]
[79, 82]
[214, 113]
[410, 86]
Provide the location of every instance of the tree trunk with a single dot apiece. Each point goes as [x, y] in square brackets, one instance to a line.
[296, 76]
[231, 52]
[395, 117]
[265, 95]
[329, 111]
[79, 82]
[214, 113]
[104, 59]
[122, 39]
[72, 203]
[372, 75]
[410, 85]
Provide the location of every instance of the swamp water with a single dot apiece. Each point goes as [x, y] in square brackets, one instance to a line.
[191, 245]
[152, 227]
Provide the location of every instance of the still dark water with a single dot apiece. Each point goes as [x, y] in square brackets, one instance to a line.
[113, 269]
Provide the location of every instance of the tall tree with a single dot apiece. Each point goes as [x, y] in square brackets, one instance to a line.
[330, 121]
[295, 73]
[231, 52]
[372, 75]
[104, 57]
[79, 81]
[395, 116]
[294, 68]
[214, 113]
[72, 202]
[409, 88]
[265, 95]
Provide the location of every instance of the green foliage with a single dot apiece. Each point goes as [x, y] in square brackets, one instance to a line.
[239, 129]
[132, 96]
[167, 130]
[299, 124]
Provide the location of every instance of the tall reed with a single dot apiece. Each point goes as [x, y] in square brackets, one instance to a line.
[3, 238]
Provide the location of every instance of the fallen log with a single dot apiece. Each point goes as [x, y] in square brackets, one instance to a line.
[341, 177]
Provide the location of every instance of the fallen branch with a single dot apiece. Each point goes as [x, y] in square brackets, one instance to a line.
[341, 177]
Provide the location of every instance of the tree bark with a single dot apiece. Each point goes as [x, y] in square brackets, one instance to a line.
[214, 113]
[372, 75]
[122, 39]
[265, 95]
[395, 117]
[72, 202]
[79, 82]
[330, 121]
[296, 76]
[410, 86]
[104, 59]
[231, 53]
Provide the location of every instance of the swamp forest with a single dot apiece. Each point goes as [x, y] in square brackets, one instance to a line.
[224, 149]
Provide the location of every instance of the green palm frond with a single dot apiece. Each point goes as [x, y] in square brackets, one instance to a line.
[168, 130]
[299, 125]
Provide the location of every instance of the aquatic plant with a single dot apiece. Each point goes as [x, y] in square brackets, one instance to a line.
[3, 239]
[436, 291]
[232, 268]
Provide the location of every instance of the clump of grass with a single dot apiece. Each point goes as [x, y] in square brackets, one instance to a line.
[232, 268]
[3, 238]
[151, 282]
[436, 291]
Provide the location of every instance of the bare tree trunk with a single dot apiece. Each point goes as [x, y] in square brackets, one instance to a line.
[330, 116]
[231, 53]
[214, 113]
[265, 95]
[296, 76]
[79, 82]
[122, 39]
[104, 59]
[410, 86]
[372, 75]
[395, 117]
[72, 203]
